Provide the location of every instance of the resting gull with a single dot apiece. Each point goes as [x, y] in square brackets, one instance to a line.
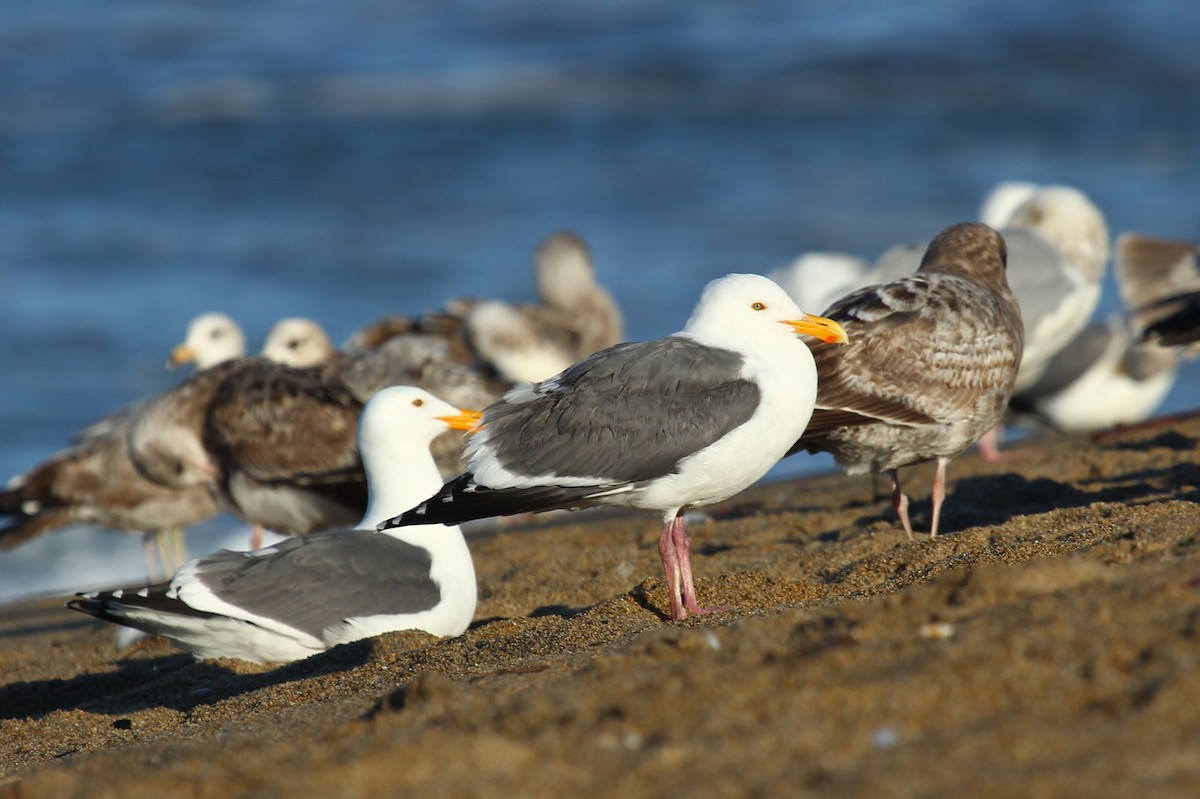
[94, 480]
[663, 425]
[1102, 378]
[930, 366]
[574, 318]
[304, 595]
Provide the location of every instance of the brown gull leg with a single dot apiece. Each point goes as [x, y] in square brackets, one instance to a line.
[900, 502]
[939, 494]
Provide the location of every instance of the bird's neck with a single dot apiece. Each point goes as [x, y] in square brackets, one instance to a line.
[398, 478]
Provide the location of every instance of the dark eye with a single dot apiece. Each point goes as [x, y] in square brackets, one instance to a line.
[217, 333]
[418, 402]
[759, 306]
[293, 344]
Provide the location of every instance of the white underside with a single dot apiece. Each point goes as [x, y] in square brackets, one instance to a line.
[1104, 397]
[238, 633]
[712, 474]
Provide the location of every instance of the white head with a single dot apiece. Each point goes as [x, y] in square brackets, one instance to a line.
[1005, 198]
[394, 433]
[1071, 223]
[744, 312]
[298, 342]
[212, 338]
[563, 270]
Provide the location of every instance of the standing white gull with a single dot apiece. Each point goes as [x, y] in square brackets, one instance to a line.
[929, 368]
[663, 425]
[304, 595]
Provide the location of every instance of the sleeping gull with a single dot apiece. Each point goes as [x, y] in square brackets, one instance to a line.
[574, 318]
[305, 595]
[929, 368]
[663, 425]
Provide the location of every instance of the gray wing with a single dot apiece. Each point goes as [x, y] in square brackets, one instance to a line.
[1037, 275]
[318, 580]
[629, 413]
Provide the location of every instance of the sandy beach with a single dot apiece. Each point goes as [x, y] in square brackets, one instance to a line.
[1046, 644]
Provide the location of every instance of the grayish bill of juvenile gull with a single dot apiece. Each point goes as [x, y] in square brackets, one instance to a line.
[1160, 283]
[929, 368]
[95, 481]
[575, 316]
[304, 595]
[665, 425]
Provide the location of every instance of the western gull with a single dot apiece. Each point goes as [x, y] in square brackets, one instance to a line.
[1160, 283]
[305, 595]
[929, 368]
[95, 481]
[574, 318]
[211, 338]
[663, 425]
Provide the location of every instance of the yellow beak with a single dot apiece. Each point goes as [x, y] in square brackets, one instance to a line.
[820, 327]
[181, 355]
[463, 420]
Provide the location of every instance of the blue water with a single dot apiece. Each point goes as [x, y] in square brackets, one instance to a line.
[347, 160]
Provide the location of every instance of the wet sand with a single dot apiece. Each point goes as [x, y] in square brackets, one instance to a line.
[1046, 644]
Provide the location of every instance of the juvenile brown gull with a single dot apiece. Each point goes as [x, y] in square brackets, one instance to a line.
[929, 368]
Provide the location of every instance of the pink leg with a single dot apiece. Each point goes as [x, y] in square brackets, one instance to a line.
[683, 551]
[939, 494]
[989, 445]
[256, 537]
[900, 503]
[671, 568]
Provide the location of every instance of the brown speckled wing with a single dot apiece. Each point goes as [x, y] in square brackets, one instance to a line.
[277, 423]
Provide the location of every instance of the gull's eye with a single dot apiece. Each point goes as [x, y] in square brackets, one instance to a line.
[759, 306]
[293, 344]
[418, 402]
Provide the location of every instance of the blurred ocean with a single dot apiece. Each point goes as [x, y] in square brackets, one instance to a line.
[347, 160]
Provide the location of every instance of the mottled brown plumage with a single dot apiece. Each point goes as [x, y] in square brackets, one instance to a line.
[930, 366]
